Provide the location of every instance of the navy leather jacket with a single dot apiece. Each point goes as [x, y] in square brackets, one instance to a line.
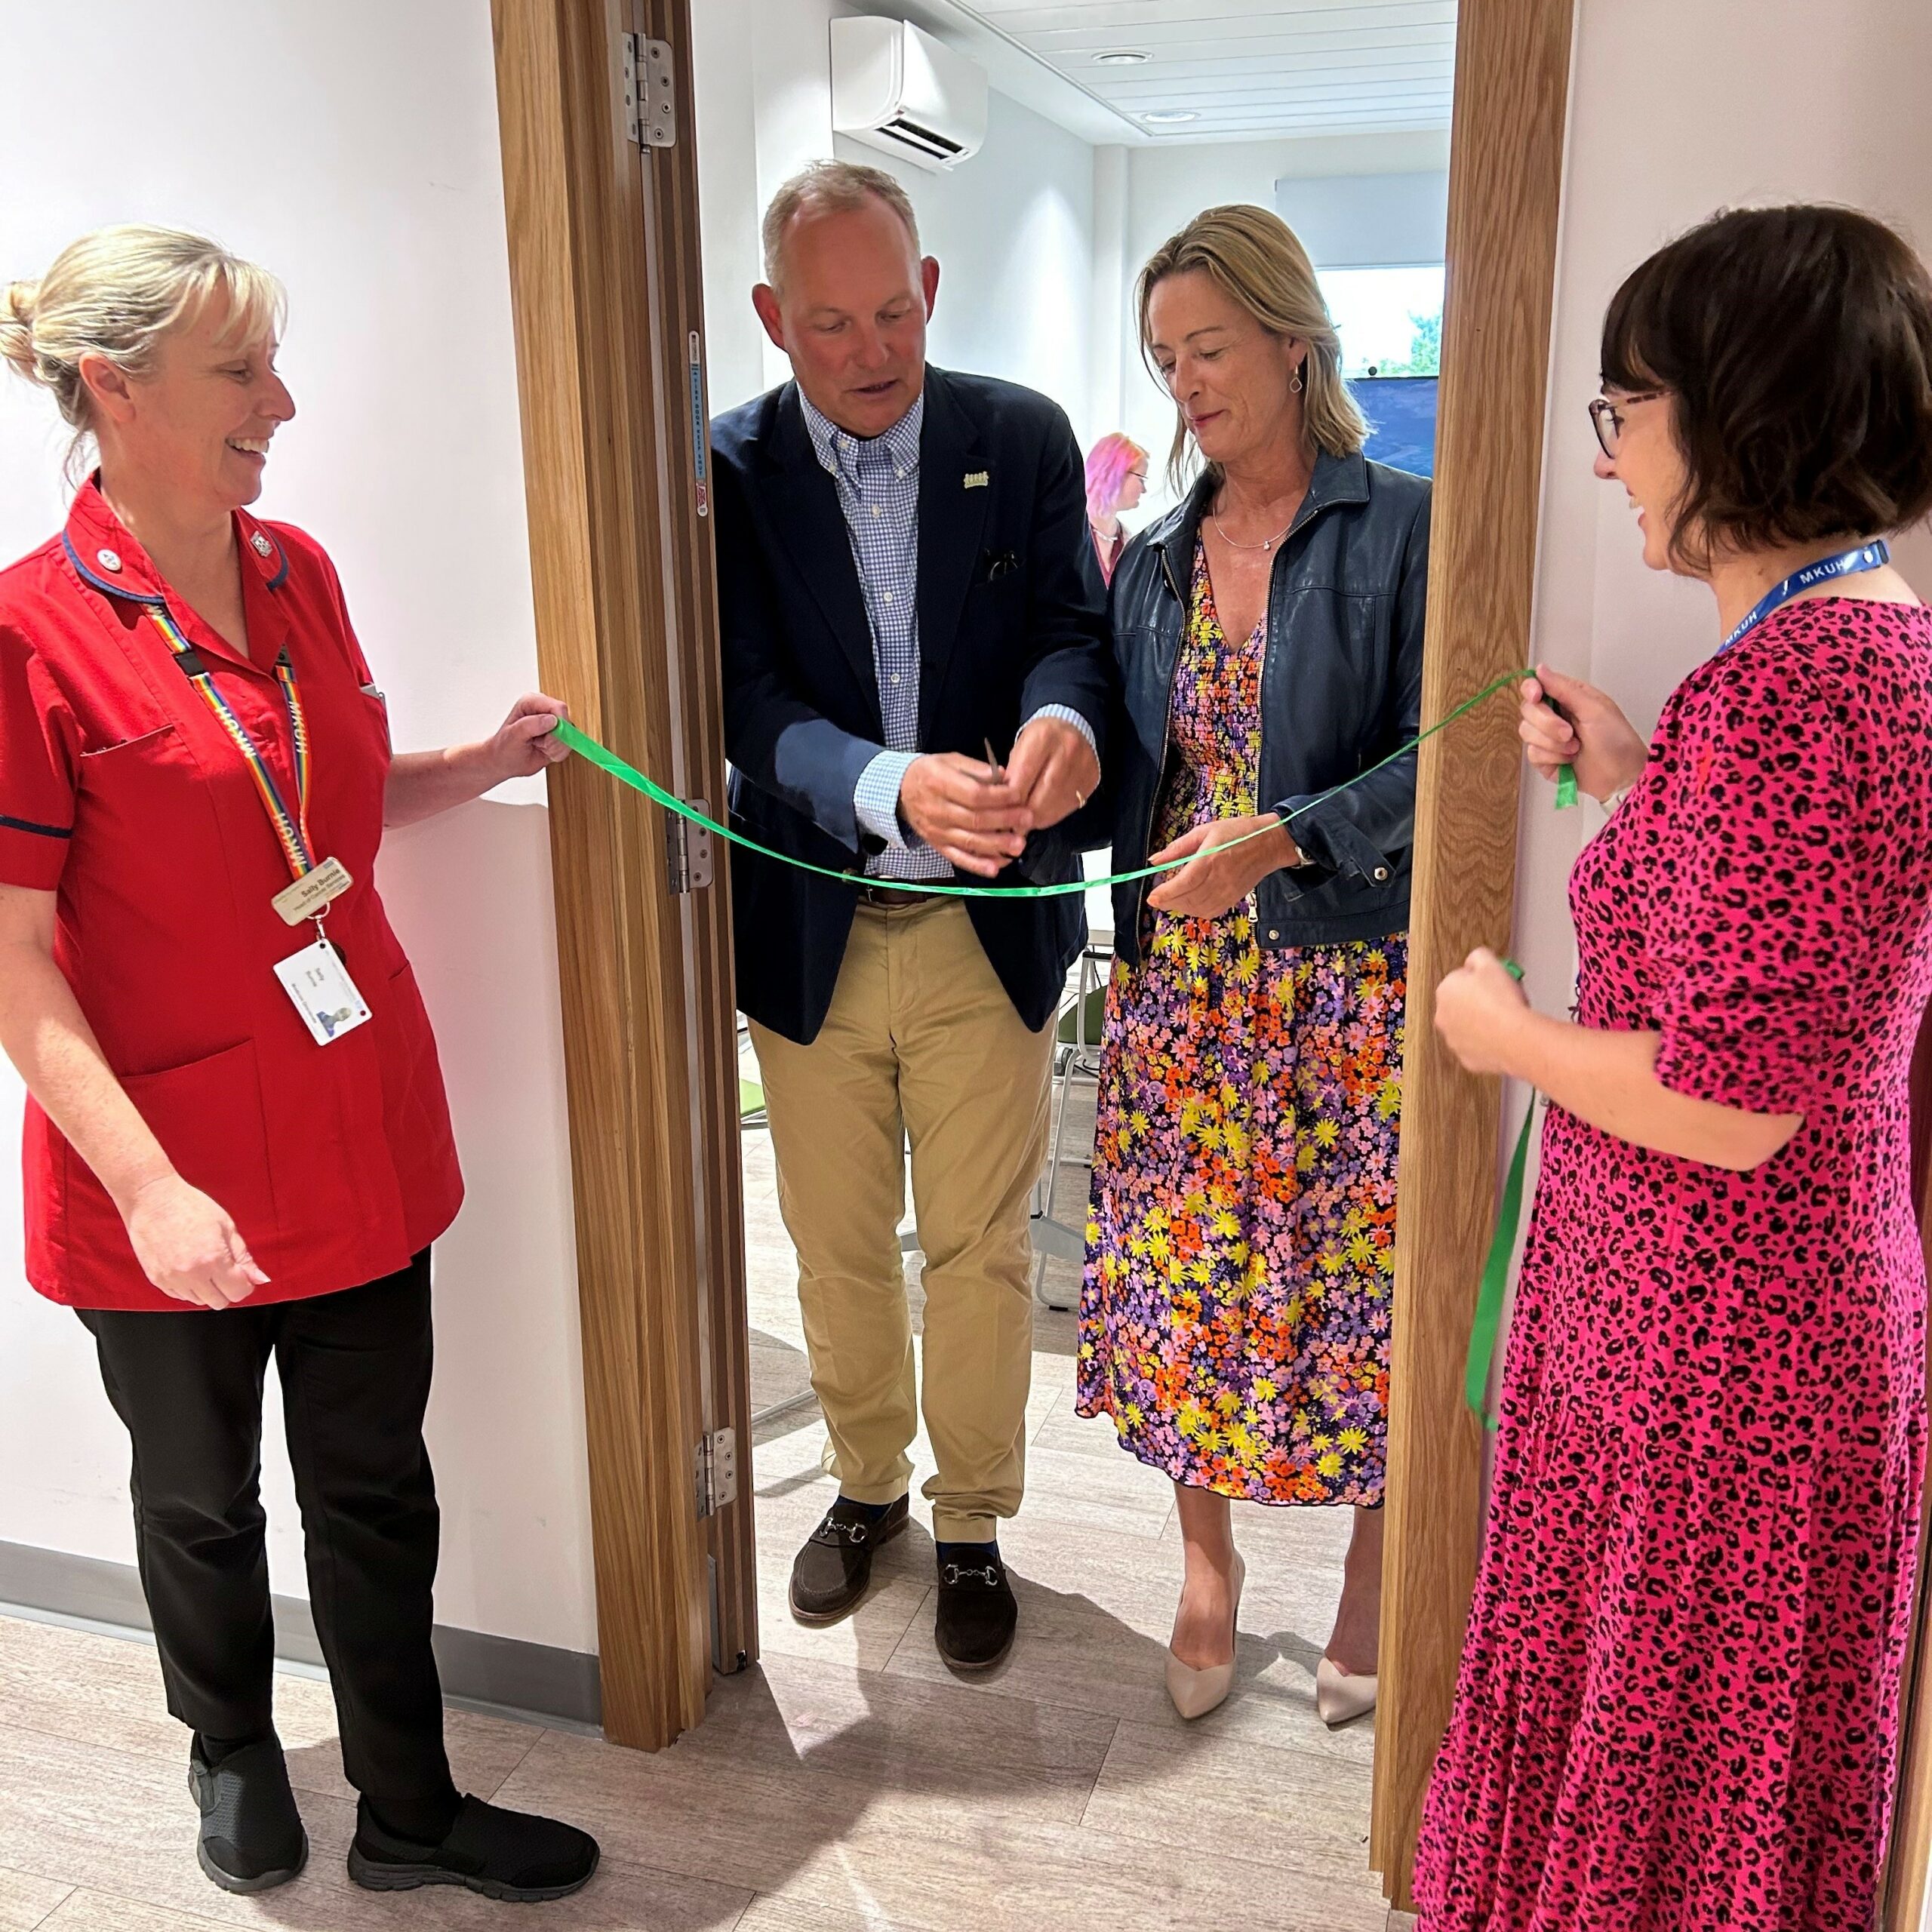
[1341, 688]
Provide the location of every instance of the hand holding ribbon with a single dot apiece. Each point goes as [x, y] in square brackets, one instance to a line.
[1477, 1008]
[1589, 737]
[1227, 860]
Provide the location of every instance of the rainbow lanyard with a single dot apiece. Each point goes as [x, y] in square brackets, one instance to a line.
[292, 829]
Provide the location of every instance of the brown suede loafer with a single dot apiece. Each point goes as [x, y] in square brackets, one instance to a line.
[833, 1569]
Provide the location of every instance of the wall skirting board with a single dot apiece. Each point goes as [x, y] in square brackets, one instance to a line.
[538, 1678]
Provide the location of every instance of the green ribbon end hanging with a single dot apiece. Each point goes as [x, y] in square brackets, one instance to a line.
[1488, 1323]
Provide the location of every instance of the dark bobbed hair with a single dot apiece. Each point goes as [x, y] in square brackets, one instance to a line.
[1797, 344]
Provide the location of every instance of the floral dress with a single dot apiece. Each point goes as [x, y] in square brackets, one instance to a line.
[1234, 1314]
[1678, 1703]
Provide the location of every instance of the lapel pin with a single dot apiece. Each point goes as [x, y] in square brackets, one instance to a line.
[263, 548]
[978, 479]
[107, 560]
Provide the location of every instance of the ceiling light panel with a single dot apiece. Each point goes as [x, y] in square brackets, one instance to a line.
[1243, 68]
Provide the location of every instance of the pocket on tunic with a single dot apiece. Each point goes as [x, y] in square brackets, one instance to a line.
[415, 1108]
[128, 788]
[126, 748]
[207, 1114]
[376, 704]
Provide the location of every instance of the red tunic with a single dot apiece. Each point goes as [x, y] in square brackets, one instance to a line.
[120, 791]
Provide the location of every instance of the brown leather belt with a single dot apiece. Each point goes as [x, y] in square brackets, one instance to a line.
[895, 898]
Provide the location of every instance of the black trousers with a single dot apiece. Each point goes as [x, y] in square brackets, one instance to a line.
[354, 1369]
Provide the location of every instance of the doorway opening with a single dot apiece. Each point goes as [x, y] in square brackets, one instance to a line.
[705, 1443]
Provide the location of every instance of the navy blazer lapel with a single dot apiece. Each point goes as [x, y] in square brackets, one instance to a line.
[956, 486]
[804, 506]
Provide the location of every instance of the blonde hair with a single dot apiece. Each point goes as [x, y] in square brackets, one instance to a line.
[1258, 259]
[114, 294]
[830, 187]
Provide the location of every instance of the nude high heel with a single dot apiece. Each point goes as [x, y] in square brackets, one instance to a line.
[1196, 1692]
[1340, 1697]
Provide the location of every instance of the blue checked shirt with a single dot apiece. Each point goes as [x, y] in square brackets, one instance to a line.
[878, 480]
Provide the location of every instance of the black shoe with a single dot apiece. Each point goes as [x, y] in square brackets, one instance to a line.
[977, 1614]
[510, 1855]
[833, 1569]
[251, 1838]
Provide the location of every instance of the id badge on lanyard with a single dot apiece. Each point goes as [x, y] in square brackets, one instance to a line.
[316, 979]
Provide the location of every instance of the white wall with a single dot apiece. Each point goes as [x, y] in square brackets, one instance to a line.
[374, 187]
[1012, 228]
[1168, 186]
[1640, 168]
[1348, 221]
[1751, 105]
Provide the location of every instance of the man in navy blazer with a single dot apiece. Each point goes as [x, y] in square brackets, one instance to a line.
[916, 681]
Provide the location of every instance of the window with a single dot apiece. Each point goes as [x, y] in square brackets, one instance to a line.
[1390, 320]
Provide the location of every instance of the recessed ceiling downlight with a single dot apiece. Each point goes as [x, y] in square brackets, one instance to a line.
[1122, 57]
[1169, 117]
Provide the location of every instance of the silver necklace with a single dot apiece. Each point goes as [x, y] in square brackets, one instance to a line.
[1267, 543]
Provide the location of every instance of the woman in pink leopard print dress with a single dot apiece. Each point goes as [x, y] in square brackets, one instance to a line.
[1678, 1703]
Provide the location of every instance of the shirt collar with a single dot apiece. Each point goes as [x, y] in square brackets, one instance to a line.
[900, 443]
[105, 553]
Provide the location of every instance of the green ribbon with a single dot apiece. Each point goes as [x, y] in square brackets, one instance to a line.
[1495, 1271]
[1566, 774]
[607, 760]
[1487, 1322]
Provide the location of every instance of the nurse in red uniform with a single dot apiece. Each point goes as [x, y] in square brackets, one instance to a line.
[238, 1149]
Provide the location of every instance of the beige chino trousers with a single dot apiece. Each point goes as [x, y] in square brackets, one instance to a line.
[923, 1045]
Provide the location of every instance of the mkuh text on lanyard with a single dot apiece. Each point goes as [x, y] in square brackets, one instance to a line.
[1871, 556]
[1488, 1322]
[315, 978]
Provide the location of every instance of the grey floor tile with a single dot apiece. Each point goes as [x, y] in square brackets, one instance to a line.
[26, 1900]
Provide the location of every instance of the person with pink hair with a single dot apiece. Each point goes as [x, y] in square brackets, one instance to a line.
[1116, 475]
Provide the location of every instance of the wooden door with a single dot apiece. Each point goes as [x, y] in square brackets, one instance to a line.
[1910, 1859]
[1505, 170]
[600, 180]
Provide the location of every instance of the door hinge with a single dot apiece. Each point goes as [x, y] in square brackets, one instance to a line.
[650, 114]
[717, 1468]
[687, 852]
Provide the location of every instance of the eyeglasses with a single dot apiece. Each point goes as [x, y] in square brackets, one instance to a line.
[1137, 476]
[1607, 417]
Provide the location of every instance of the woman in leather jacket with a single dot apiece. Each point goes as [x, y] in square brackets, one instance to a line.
[1234, 1313]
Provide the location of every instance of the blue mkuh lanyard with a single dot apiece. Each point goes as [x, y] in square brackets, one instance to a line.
[1847, 563]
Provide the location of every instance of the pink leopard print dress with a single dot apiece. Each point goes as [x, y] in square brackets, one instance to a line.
[1678, 1704]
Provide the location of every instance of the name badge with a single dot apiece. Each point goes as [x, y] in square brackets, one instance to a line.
[314, 892]
[319, 983]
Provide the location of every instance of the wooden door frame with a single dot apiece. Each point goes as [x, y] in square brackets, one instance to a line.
[1908, 1853]
[607, 313]
[604, 270]
[1506, 172]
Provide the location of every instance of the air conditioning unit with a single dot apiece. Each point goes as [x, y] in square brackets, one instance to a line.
[898, 89]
